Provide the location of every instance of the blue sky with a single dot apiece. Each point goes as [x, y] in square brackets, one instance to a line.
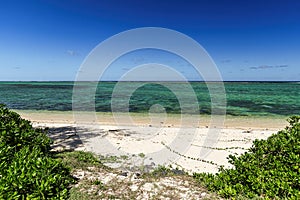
[248, 40]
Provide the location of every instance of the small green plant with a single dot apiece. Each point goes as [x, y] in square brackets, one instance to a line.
[99, 184]
[109, 159]
[27, 168]
[124, 157]
[142, 155]
[270, 169]
[162, 171]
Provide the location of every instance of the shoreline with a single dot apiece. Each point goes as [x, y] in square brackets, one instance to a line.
[156, 120]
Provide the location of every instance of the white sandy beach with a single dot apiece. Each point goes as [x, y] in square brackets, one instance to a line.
[150, 143]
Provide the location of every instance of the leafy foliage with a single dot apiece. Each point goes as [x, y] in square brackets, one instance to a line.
[270, 169]
[27, 168]
[79, 159]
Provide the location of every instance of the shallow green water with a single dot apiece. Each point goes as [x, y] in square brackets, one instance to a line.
[243, 98]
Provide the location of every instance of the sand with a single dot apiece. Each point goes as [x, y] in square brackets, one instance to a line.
[152, 140]
[240, 122]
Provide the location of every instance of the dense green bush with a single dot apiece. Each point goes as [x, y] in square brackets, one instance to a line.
[270, 169]
[27, 168]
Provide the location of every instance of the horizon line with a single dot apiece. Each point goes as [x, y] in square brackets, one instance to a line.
[274, 81]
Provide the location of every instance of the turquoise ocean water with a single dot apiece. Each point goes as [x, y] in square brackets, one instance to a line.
[243, 98]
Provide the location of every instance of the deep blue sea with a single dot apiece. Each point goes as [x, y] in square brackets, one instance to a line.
[243, 98]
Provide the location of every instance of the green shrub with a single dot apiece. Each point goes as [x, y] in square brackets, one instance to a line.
[17, 132]
[27, 168]
[270, 169]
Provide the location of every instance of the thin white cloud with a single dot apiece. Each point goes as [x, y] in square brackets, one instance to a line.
[226, 61]
[269, 66]
[72, 53]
